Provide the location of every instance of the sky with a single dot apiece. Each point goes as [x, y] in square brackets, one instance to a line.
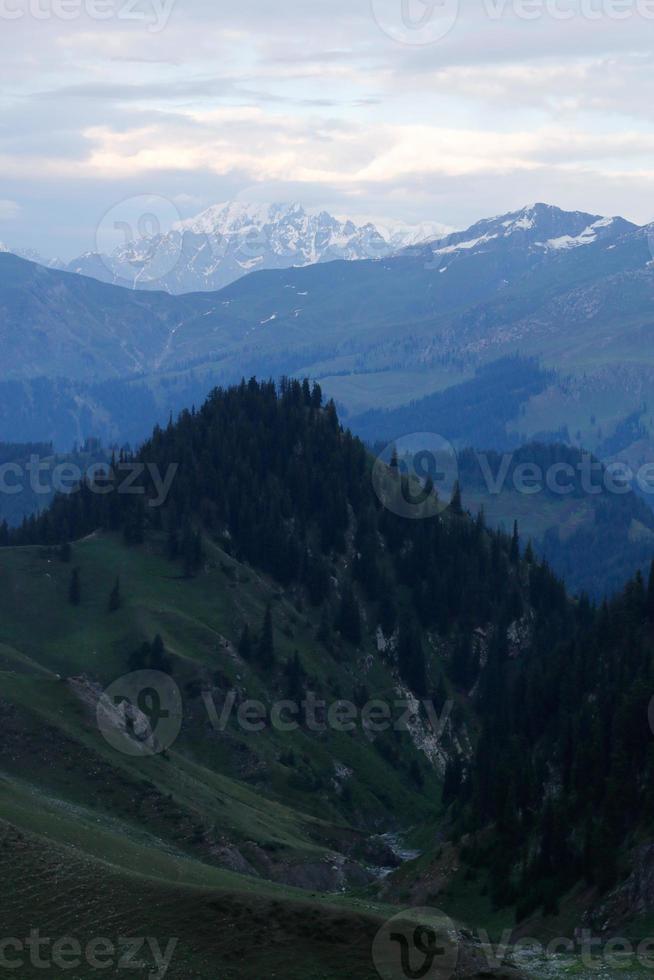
[409, 110]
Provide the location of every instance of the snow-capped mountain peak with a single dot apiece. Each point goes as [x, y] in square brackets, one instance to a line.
[232, 216]
[230, 239]
[537, 227]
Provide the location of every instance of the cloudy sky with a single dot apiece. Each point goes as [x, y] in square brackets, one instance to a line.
[406, 109]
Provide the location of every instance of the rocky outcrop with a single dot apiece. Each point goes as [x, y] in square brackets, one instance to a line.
[634, 897]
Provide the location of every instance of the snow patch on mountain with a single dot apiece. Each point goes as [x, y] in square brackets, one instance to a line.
[464, 246]
[538, 227]
[587, 236]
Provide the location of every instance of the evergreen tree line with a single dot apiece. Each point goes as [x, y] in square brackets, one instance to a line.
[564, 766]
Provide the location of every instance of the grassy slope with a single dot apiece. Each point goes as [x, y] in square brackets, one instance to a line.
[151, 829]
[225, 926]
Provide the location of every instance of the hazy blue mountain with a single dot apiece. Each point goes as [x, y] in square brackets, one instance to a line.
[570, 289]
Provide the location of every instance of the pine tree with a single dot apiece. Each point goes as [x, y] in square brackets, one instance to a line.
[462, 662]
[456, 504]
[416, 773]
[349, 617]
[514, 554]
[245, 643]
[317, 580]
[65, 552]
[74, 588]
[134, 528]
[411, 657]
[172, 544]
[295, 677]
[191, 550]
[387, 611]
[115, 598]
[266, 650]
[452, 781]
[650, 595]
[158, 658]
[325, 634]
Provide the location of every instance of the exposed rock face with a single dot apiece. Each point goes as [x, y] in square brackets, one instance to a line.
[632, 898]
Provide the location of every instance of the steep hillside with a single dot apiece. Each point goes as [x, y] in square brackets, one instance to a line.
[271, 574]
[55, 324]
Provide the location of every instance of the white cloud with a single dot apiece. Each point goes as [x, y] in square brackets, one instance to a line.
[313, 99]
[269, 146]
[8, 210]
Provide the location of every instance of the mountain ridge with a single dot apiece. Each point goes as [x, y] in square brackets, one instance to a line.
[533, 223]
[376, 332]
[227, 241]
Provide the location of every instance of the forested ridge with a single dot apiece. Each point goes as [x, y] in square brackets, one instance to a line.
[555, 692]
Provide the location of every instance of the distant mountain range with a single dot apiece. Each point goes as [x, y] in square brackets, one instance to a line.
[227, 241]
[573, 290]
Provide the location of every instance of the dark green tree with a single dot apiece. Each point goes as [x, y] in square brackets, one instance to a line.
[411, 657]
[115, 597]
[514, 554]
[245, 643]
[266, 648]
[349, 616]
[650, 595]
[74, 588]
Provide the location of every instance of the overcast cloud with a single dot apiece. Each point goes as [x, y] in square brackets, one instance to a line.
[200, 102]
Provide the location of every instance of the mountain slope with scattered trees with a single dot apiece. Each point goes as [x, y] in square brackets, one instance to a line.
[547, 766]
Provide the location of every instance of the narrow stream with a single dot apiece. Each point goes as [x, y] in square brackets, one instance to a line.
[394, 843]
[540, 965]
